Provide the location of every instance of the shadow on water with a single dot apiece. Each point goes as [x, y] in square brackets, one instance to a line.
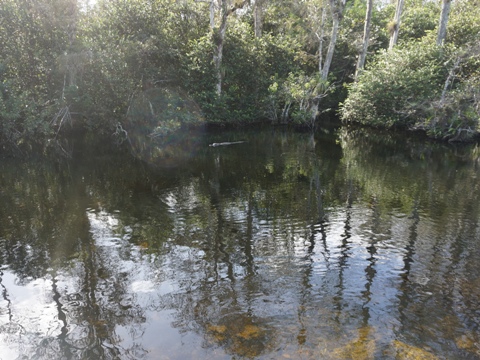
[346, 244]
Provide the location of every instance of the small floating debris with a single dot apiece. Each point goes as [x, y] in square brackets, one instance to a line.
[227, 143]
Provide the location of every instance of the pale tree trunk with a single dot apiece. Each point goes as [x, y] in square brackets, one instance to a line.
[219, 38]
[450, 78]
[212, 14]
[320, 40]
[258, 17]
[316, 102]
[337, 9]
[396, 25]
[442, 26]
[366, 35]
[218, 34]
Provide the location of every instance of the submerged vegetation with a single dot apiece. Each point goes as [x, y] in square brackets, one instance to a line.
[81, 64]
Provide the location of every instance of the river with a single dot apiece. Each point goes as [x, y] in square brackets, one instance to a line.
[345, 244]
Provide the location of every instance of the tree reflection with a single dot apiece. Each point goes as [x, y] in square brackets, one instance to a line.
[285, 245]
[427, 180]
[48, 236]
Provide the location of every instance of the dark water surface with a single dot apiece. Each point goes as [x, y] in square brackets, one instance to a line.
[345, 245]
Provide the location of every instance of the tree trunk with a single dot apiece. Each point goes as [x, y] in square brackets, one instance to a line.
[337, 9]
[320, 40]
[442, 26]
[258, 18]
[212, 14]
[366, 35]
[396, 25]
[450, 78]
[219, 38]
[219, 35]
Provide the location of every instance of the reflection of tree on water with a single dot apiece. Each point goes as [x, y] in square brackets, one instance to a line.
[228, 317]
[6, 298]
[370, 270]
[344, 252]
[428, 300]
[65, 348]
[247, 255]
[439, 291]
[247, 241]
[407, 288]
[241, 259]
[318, 222]
[51, 246]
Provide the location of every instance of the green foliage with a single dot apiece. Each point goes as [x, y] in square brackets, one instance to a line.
[161, 111]
[134, 44]
[295, 99]
[418, 20]
[67, 62]
[201, 79]
[22, 122]
[33, 35]
[248, 64]
[395, 89]
[456, 115]
[420, 86]
[464, 26]
[351, 36]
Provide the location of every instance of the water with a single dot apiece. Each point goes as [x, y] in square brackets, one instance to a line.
[343, 245]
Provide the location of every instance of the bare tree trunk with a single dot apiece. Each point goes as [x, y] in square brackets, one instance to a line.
[337, 9]
[396, 25]
[450, 78]
[258, 17]
[212, 14]
[320, 40]
[219, 36]
[442, 26]
[366, 35]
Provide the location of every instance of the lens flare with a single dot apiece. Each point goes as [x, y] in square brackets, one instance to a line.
[165, 127]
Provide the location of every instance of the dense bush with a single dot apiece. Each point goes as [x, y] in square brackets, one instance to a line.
[463, 26]
[418, 20]
[422, 86]
[394, 90]
[33, 38]
[455, 114]
[419, 86]
[249, 64]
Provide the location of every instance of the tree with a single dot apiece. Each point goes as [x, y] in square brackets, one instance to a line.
[366, 35]
[218, 32]
[394, 26]
[258, 17]
[31, 83]
[442, 26]
[320, 40]
[393, 91]
[336, 7]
